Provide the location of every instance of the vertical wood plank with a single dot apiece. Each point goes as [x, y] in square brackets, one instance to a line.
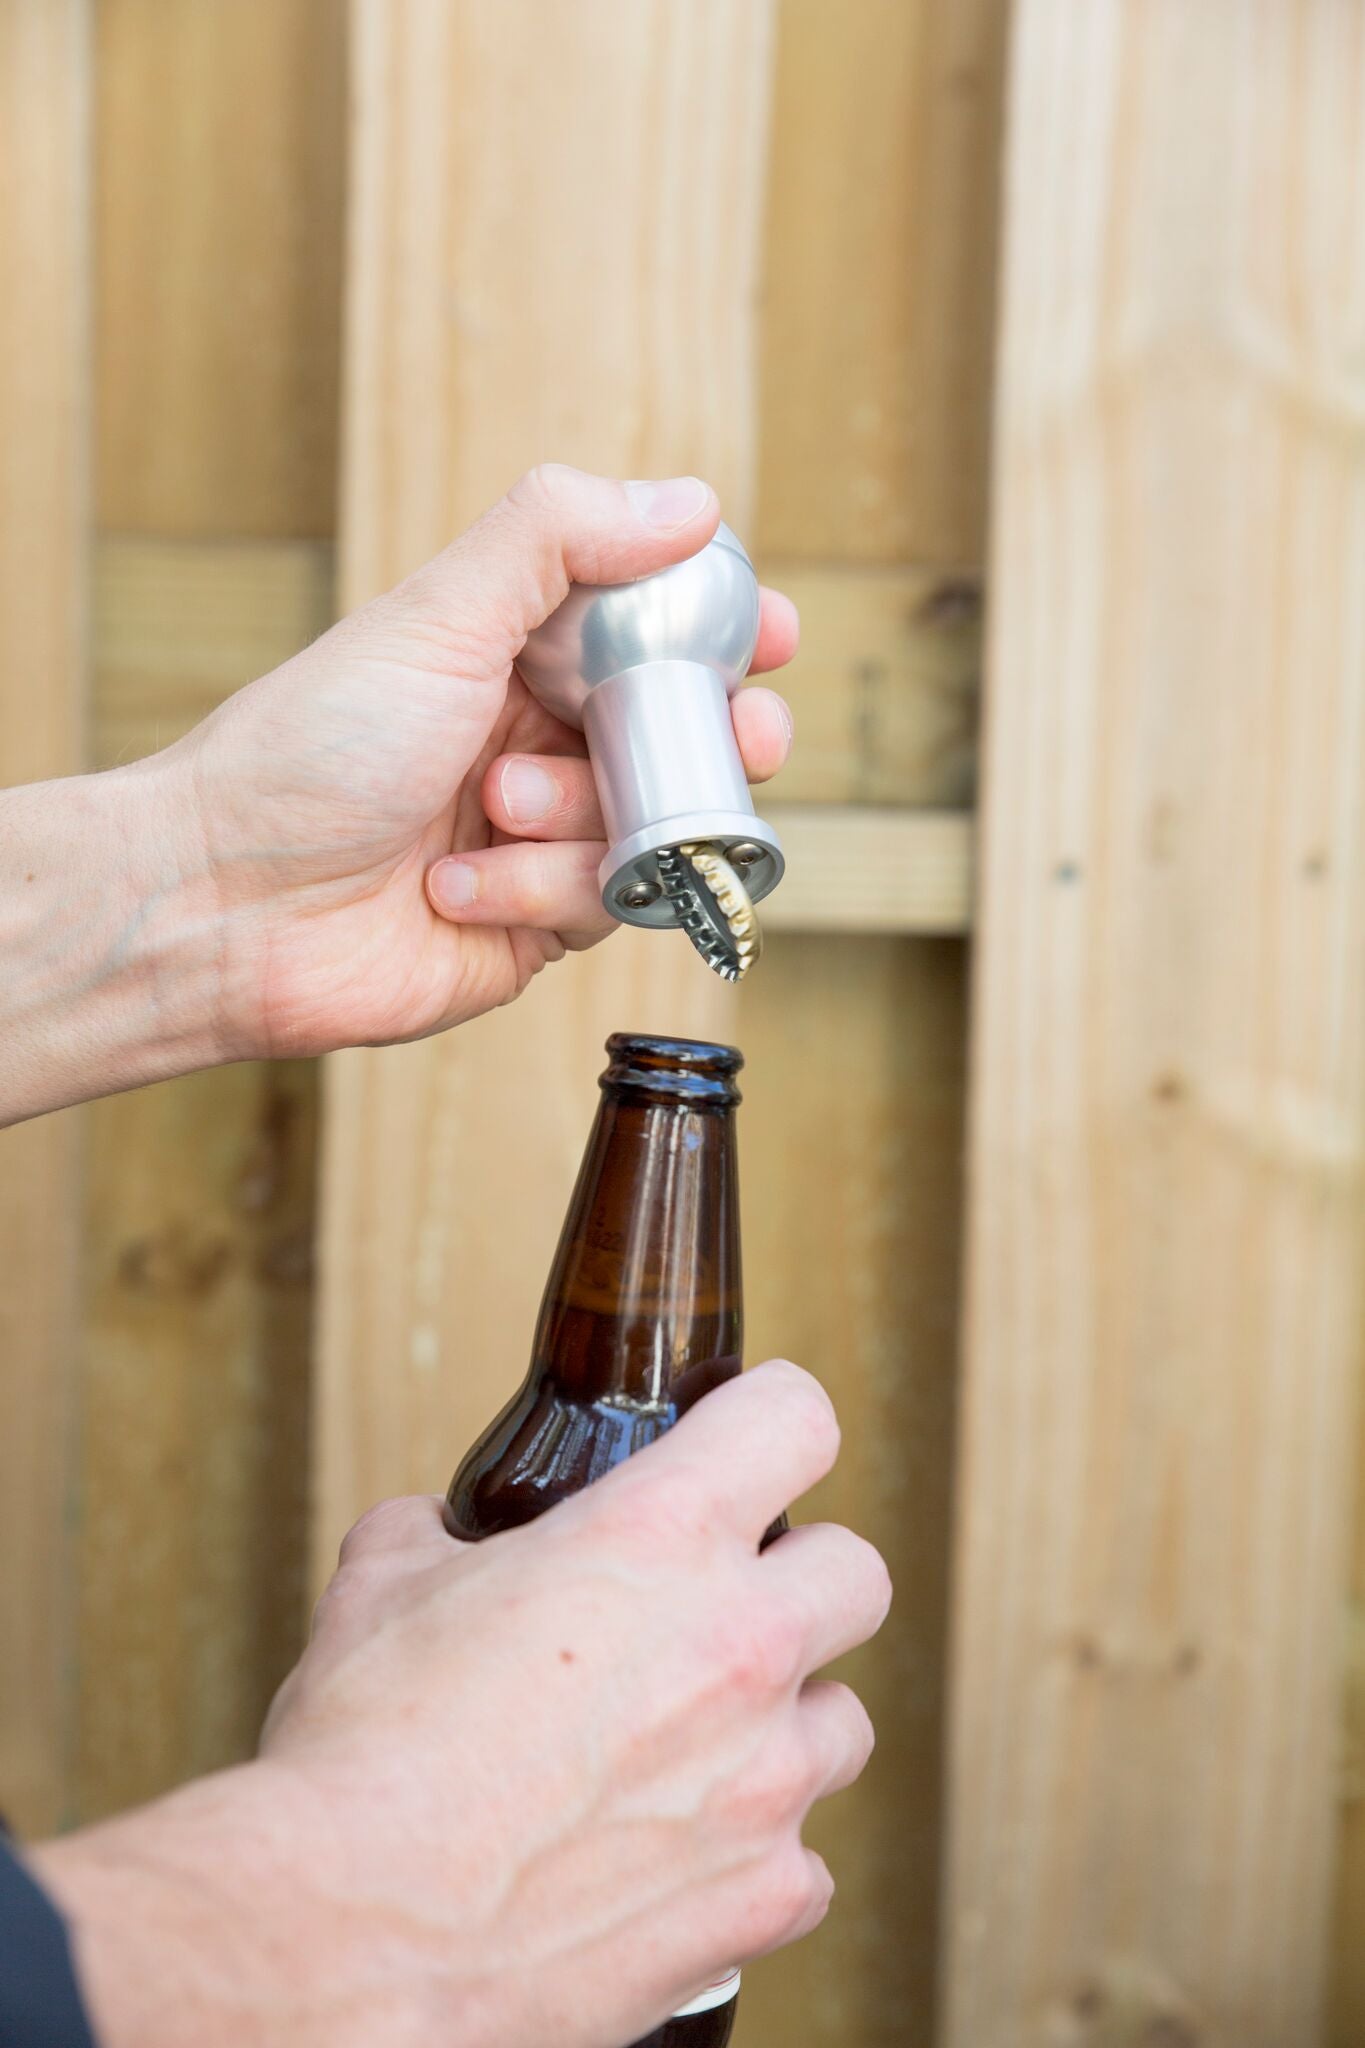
[885, 687]
[500, 313]
[220, 145]
[852, 1228]
[1164, 1298]
[218, 265]
[877, 346]
[43, 412]
[199, 1218]
[1346, 1987]
[879, 280]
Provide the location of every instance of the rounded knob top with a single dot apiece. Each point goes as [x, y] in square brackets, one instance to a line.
[704, 610]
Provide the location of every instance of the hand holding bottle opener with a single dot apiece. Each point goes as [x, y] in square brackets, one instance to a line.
[647, 670]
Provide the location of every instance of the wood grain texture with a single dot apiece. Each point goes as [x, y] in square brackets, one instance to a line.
[1164, 1301]
[885, 687]
[220, 169]
[44, 156]
[447, 1165]
[855, 869]
[221, 138]
[199, 1216]
[1346, 1984]
[199, 1220]
[852, 1230]
[500, 314]
[179, 625]
[879, 280]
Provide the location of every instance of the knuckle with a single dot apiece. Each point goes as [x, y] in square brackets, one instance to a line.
[856, 1735]
[817, 1418]
[856, 1582]
[819, 1889]
[787, 1894]
[354, 1582]
[618, 1518]
[534, 895]
[811, 1411]
[862, 1733]
[278, 1710]
[547, 881]
[539, 488]
[770, 1796]
[654, 1510]
[375, 1522]
[875, 1573]
[759, 1652]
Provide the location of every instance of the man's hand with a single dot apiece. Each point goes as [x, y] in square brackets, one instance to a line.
[539, 1789]
[398, 834]
[382, 838]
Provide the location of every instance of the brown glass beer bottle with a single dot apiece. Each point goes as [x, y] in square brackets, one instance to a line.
[642, 1315]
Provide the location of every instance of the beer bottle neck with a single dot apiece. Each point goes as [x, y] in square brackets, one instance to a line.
[643, 1306]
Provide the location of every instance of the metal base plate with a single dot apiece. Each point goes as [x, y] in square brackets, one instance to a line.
[631, 868]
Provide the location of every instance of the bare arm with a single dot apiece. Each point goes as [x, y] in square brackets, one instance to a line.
[108, 946]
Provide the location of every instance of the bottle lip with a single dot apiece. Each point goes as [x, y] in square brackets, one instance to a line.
[691, 1070]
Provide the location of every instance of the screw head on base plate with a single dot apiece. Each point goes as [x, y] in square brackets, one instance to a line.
[639, 895]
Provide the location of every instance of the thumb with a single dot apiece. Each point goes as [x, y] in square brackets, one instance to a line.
[558, 526]
[404, 1527]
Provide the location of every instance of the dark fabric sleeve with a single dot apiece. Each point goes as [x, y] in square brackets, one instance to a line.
[40, 2005]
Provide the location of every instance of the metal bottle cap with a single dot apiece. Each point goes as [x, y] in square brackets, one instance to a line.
[647, 670]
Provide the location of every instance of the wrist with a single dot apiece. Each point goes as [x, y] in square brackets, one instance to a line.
[170, 1912]
[238, 1909]
[109, 938]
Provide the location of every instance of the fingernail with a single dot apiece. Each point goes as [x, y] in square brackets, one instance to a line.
[453, 884]
[528, 793]
[670, 503]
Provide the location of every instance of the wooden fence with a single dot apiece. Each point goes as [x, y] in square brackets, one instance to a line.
[291, 291]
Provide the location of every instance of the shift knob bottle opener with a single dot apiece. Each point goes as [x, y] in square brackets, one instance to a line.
[647, 671]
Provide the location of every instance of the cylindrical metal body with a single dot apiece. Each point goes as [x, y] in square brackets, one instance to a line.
[647, 670]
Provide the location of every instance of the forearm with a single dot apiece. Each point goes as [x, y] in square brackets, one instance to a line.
[109, 939]
[235, 1911]
[180, 1916]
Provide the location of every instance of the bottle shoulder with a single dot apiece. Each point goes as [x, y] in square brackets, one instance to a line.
[549, 1443]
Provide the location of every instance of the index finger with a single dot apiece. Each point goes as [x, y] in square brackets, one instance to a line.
[741, 1456]
[779, 631]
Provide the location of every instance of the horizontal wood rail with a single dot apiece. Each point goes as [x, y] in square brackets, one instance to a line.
[884, 691]
[873, 870]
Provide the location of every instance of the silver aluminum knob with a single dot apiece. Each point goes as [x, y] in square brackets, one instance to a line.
[647, 670]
